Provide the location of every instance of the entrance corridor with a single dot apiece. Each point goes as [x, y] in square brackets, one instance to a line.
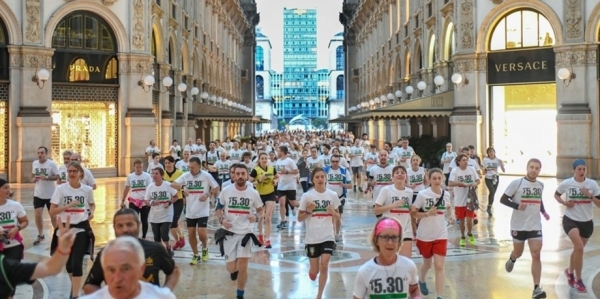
[282, 272]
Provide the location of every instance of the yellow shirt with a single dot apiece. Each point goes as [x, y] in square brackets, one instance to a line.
[265, 186]
[172, 178]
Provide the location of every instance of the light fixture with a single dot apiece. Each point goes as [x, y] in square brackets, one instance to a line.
[459, 79]
[182, 87]
[147, 83]
[438, 81]
[390, 97]
[398, 94]
[204, 95]
[421, 85]
[225, 101]
[195, 91]
[377, 101]
[41, 75]
[409, 90]
[566, 76]
[229, 103]
[219, 100]
[358, 106]
[213, 98]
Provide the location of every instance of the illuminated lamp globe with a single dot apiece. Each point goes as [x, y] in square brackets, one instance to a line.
[195, 91]
[372, 102]
[204, 95]
[219, 100]
[225, 101]
[409, 90]
[229, 103]
[358, 106]
[563, 74]
[377, 101]
[438, 80]
[182, 87]
[382, 98]
[167, 82]
[421, 85]
[43, 75]
[390, 96]
[398, 93]
[457, 78]
[213, 98]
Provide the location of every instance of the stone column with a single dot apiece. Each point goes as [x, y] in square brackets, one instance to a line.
[393, 124]
[420, 124]
[29, 119]
[381, 127]
[243, 129]
[166, 130]
[214, 131]
[222, 130]
[372, 132]
[405, 130]
[434, 127]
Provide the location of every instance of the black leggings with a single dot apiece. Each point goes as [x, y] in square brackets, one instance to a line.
[13, 253]
[304, 185]
[143, 212]
[177, 210]
[492, 188]
[161, 231]
[75, 261]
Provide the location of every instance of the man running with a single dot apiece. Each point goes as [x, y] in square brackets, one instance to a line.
[43, 172]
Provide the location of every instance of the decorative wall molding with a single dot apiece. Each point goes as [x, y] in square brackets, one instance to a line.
[574, 118]
[576, 55]
[30, 57]
[33, 18]
[109, 2]
[466, 24]
[573, 19]
[138, 37]
[465, 119]
[129, 64]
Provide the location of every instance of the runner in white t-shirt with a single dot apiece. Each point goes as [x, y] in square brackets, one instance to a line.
[524, 195]
[174, 150]
[356, 153]
[318, 210]
[235, 154]
[380, 175]
[462, 179]
[580, 193]
[62, 169]
[135, 187]
[286, 185]
[338, 180]
[43, 173]
[388, 275]
[432, 232]
[183, 163]
[446, 158]
[394, 201]
[491, 163]
[160, 197]
[152, 149]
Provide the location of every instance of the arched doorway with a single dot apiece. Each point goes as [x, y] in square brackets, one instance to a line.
[85, 90]
[4, 81]
[522, 104]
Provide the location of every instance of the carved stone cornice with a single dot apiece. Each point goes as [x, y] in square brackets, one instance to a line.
[108, 2]
[30, 57]
[135, 64]
[430, 22]
[418, 32]
[576, 55]
[157, 10]
[447, 9]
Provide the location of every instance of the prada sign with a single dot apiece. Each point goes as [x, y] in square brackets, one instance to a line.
[524, 66]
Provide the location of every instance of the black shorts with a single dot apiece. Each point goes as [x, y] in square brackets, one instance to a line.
[197, 222]
[215, 175]
[41, 203]
[586, 229]
[357, 169]
[177, 210]
[342, 203]
[289, 194]
[14, 253]
[268, 197]
[316, 250]
[524, 235]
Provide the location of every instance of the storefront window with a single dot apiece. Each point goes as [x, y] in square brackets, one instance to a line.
[522, 29]
[3, 99]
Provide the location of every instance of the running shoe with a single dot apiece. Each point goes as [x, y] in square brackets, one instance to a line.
[39, 240]
[509, 265]
[268, 244]
[284, 225]
[195, 260]
[570, 278]
[489, 211]
[472, 240]
[280, 225]
[423, 288]
[204, 254]
[463, 242]
[580, 287]
[360, 189]
[338, 238]
[234, 275]
[354, 188]
[538, 293]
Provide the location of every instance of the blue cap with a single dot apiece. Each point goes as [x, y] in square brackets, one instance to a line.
[578, 162]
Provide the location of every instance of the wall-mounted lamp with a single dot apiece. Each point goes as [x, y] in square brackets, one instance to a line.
[398, 95]
[383, 99]
[459, 80]
[409, 90]
[41, 74]
[390, 97]
[438, 81]
[566, 75]
[421, 87]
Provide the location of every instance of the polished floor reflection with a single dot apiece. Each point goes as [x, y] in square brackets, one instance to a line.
[282, 272]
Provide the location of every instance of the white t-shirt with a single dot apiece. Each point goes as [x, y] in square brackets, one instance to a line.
[434, 227]
[237, 206]
[152, 150]
[382, 177]
[212, 157]
[223, 168]
[294, 155]
[448, 155]
[319, 227]
[467, 176]
[335, 180]
[326, 159]
[584, 208]
[137, 184]
[182, 165]
[286, 181]
[530, 193]
[492, 166]
[9, 214]
[88, 178]
[174, 150]
[163, 193]
[394, 159]
[235, 156]
[388, 196]
[356, 156]
[197, 186]
[393, 281]
[151, 166]
[44, 188]
[227, 145]
[62, 173]
[148, 291]
[405, 154]
[313, 163]
[371, 157]
[416, 178]
[190, 148]
[65, 194]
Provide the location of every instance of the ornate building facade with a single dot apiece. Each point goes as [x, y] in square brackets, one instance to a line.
[104, 78]
[521, 76]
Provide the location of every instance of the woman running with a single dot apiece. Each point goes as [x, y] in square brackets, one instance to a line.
[388, 275]
[74, 199]
[432, 233]
[580, 192]
[394, 201]
[524, 195]
[135, 187]
[264, 177]
[171, 174]
[160, 197]
[491, 163]
[318, 209]
[417, 179]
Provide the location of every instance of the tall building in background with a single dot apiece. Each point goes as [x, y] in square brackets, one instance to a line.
[337, 95]
[302, 91]
[265, 79]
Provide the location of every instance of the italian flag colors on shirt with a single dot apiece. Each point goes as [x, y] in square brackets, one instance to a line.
[7, 224]
[80, 208]
[238, 209]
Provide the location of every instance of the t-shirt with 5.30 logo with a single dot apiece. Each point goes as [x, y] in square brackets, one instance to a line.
[237, 206]
[319, 227]
[467, 176]
[137, 184]
[376, 281]
[65, 195]
[197, 185]
[522, 191]
[382, 177]
[44, 188]
[9, 214]
[432, 228]
[162, 194]
[583, 210]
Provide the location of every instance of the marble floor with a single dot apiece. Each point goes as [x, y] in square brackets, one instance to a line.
[282, 272]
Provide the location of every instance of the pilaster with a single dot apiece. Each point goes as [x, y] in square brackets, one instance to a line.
[381, 132]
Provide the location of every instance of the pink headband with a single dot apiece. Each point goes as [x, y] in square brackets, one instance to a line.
[387, 223]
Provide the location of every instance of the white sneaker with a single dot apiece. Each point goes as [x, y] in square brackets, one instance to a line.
[538, 293]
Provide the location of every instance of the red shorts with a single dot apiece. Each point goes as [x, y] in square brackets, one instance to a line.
[428, 249]
[463, 212]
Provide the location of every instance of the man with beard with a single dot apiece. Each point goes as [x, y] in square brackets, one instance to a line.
[127, 223]
[234, 208]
